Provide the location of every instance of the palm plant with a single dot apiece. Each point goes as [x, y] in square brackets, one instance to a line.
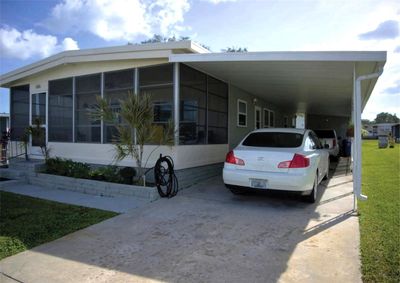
[39, 136]
[136, 129]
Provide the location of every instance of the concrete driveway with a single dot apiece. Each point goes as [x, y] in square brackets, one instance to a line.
[206, 234]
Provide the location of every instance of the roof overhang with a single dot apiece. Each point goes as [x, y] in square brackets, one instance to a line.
[126, 52]
[312, 82]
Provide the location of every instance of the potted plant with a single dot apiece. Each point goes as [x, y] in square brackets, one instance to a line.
[350, 130]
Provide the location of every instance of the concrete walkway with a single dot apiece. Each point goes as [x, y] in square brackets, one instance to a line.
[206, 234]
[116, 204]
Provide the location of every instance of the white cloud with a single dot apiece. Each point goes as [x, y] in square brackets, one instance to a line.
[219, 1]
[118, 19]
[69, 44]
[26, 44]
[381, 100]
[386, 30]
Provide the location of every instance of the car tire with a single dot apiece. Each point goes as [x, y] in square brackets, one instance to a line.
[326, 177]
[312, 197]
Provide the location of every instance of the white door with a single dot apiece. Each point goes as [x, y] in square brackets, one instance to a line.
[257, 117]
[38, 118]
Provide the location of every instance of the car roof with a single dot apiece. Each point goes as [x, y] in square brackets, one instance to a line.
[324, 130]
[280, 130]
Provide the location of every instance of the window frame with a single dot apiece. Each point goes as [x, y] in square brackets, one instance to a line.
[257, 108]
[269, 114]
[241, 113]
[83, 111]
[26, 88]
[107, 94]
[43, 125]
[49, 110]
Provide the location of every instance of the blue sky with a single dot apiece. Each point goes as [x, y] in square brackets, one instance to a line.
[32, 30]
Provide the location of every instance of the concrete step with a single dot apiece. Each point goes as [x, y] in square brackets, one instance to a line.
[12, 173]
[23, 165]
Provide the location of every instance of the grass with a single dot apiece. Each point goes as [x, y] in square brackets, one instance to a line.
[380, 214]
[26, 222]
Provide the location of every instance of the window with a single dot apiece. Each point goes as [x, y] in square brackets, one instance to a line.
[86, 90]
[269, 118]
[257, 117]
[217, 112]
[285, 122]
[157, 82]
[203, 109]
[326, 134]
[193, 96]
[38, 111]
[315, 140]
[60, 110]
[274, 139]
[19, 112]
[242, 113]
[117, 86]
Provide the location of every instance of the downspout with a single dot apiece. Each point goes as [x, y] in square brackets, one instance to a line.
[357, 132]
[176, 103]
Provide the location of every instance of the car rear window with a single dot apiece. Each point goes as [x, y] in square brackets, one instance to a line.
[273, 139]
[327, 134]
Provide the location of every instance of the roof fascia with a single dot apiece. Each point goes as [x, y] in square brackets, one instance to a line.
[118, 52]
[48, 64]
[349, 56]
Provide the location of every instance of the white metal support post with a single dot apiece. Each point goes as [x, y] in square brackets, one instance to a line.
[176, 103]
[135, 92]
[102, 96]
[357, 133]
[29, 146]
[73, 108]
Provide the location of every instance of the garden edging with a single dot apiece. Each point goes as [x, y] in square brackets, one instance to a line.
[92, 187]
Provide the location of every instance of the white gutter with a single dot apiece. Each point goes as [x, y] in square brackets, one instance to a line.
[357, 132]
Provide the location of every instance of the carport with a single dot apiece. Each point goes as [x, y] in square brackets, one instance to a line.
[315, 84]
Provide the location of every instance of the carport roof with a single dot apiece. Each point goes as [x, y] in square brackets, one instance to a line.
[312, 82]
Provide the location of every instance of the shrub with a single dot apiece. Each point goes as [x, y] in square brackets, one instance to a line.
[127, 174]
[66, 167]
[57, 166]
[106, 173]
[69, 168]
[79, 170]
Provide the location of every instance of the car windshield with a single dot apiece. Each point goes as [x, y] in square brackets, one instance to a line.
[273, 139]
[325, 134]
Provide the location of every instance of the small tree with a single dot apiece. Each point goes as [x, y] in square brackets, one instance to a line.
[385, 117]
[38, 137]
[24, 142]
[136, 115]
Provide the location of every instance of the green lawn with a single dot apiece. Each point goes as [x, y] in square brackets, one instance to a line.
[380, 214]
[26, 222]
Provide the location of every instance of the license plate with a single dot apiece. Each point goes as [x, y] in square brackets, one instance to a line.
[258, 183]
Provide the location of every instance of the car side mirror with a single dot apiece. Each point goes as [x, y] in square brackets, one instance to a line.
[326, 146]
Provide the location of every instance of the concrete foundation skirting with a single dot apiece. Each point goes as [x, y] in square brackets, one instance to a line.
[29, 171]
[92, 187]
[190, 176]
